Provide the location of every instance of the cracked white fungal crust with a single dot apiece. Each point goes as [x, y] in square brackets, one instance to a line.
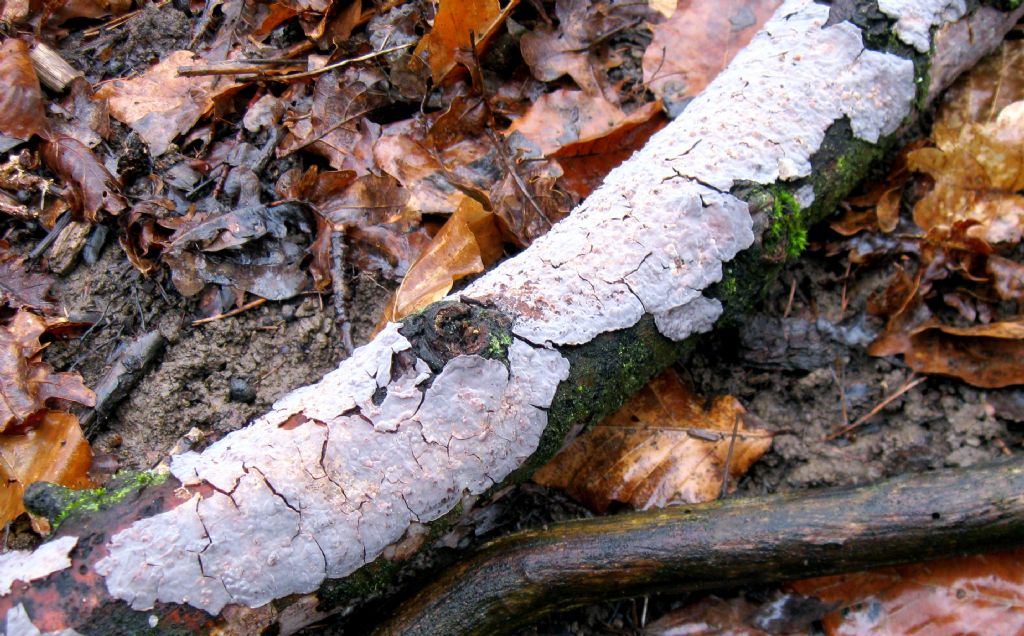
[18, 623]
[27, 566]
[296, 504]
[656, 233]
[915, 18]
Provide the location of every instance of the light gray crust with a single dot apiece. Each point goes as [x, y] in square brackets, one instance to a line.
[915, 18]
[323, 483]
[23, 565]
[657, 232]
[297, 504]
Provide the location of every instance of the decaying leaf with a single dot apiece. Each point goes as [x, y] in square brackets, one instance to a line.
[978, 161]
[662, 447]
[986, 355]
[26, 382]
[570, 49]
[160, 104]
[21, 288]
[53, 450]
[95, 189]
[691, 47]
[466, 244]
[21, 100]
[458, 25]
[979, 594]
[566, 117]
[336, 127]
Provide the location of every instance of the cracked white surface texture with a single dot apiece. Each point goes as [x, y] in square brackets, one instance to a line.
[915, 18]
[27, 566]
[656, 233]
[294, 505]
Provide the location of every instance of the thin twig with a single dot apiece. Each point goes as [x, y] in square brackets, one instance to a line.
[330, 67]
[792, 295]
[873, 412]
[228, 314]
[728, 457]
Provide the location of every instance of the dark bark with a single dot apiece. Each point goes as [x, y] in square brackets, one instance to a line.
[523, 577]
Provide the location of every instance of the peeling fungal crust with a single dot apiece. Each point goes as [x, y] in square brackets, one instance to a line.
[340, 470]
[22, 565]
[295, 504]
[657, 232]
[915, 18]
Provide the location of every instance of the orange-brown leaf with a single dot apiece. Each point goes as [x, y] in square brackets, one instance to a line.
[565, 117]
[699, 40]
[54, 450]
[160, 104]
[987, 355]
[661, 448]
[458, 24]
[465, 245]
[587, 162]
[980, 594]
[21, 100]
[26, 382]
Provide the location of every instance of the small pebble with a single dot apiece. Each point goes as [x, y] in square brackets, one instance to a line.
[239, 390]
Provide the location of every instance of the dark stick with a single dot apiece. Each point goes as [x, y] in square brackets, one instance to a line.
[754, 541]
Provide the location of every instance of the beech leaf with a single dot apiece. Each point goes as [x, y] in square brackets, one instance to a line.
[94, 187]
[661, 448]
[458, 24]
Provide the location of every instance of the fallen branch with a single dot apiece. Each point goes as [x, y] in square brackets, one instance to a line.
[321, 502]
[524, 577]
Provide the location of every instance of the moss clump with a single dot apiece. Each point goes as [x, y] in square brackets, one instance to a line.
[57, 503]
[497, 346]
[788, 229]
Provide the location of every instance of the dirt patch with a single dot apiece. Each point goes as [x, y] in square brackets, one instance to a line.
[216, 376]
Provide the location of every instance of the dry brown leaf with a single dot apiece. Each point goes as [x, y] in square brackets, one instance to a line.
[458, 24]
[467, 243]
[661, 448]
[54, 450]
[336, 127]
[572, 48]
[587, 162]
[160, 104]
[699, 40]
[21, 100]
[565, 117]
[979, 594]
[26, 382]
[95, 189]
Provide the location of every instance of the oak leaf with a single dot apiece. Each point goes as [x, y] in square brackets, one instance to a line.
[459, 25]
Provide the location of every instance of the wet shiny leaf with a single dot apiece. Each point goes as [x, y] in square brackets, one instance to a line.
[21, 100]
[662, 447]
[95, 189]
[979, 594]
